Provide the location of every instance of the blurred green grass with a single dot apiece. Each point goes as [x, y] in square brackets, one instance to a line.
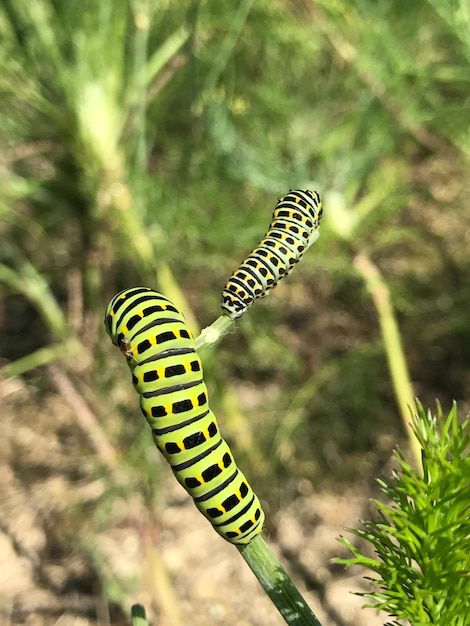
[138, 137]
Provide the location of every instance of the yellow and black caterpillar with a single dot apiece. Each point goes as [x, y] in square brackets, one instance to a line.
[293, 229]
[167, 375]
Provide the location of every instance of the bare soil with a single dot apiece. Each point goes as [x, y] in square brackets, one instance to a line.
[60, 565]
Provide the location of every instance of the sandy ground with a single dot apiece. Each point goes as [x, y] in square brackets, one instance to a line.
[59, 564]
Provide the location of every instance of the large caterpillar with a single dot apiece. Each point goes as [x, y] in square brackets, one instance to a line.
[167, 375]
[293, 229]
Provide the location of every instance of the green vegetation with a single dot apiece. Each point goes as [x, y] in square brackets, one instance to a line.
[421, 540]
[147, 143]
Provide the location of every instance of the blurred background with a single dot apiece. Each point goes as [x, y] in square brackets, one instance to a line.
[146, 142]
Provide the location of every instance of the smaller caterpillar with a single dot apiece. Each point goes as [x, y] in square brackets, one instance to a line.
[293, 229]
[167, 374]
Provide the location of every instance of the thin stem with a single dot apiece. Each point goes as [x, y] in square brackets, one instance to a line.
[213, 333]
[393, 346]
[32, 284]
[277, 584]
[220, 61]
[138, 615]
[66, 349]
[142, 20]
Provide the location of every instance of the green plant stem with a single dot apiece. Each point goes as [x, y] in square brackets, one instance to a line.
[277, 584]
[262, 562]
[393, 347]
[138, 615]
[42, 356]
[168, 50]
[142, 22]
[236, 25]
[213, 333]
[240, 427]
[32, 284]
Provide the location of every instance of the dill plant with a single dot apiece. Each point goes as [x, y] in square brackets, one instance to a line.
[422, 538]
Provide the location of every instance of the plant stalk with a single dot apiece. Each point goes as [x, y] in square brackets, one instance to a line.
[380, 292]
[277, 584]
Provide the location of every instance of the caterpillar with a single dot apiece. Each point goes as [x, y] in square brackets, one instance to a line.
[167, 374]
[293, 229]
